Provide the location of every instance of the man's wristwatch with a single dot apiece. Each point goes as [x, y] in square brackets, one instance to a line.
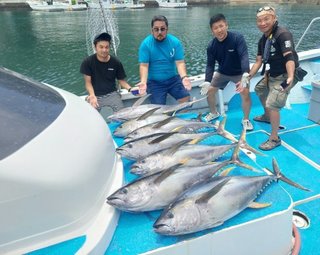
[186, 76]
[130, 89]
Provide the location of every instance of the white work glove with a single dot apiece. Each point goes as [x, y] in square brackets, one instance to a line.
[245, 80]
[204, 87]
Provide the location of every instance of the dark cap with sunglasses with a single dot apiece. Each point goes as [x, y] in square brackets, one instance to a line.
[266, 10]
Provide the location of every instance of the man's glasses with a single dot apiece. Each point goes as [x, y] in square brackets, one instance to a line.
[159, 29]
[265, 8]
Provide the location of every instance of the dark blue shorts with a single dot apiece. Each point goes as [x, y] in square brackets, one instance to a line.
[160, 89]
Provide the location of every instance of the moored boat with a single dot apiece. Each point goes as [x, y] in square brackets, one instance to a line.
[172, 3]
[112, 5]
[55, 6]
[134, 4]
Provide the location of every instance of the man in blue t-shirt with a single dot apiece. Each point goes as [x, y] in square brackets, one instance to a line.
[162, 66]
[229, 50]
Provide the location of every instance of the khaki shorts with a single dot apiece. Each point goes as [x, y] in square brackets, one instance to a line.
[271, 91]
[221, 80]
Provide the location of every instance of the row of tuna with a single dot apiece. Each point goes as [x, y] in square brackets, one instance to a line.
[181, 176]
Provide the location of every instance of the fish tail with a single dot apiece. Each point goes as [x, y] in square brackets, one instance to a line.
[280, 176]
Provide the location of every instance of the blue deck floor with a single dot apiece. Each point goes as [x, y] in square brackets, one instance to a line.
[134, 234]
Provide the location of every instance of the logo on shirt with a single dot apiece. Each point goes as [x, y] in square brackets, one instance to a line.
[287, 44]
[110, 69]
[231, 50]
[172, 53]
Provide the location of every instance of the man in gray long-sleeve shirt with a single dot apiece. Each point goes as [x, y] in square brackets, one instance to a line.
[229, 49]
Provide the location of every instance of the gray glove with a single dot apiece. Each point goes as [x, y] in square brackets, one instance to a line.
[204, 87]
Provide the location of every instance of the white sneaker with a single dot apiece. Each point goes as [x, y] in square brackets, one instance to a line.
[247, 125]
[211, 116]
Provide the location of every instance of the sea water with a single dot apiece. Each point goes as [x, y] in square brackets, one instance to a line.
[50, 46]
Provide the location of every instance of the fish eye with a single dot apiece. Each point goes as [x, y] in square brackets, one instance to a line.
[170, 215]
[130, 145]
[143, 161]
[125, 191]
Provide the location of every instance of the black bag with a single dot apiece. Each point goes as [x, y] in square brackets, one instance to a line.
[299, 73]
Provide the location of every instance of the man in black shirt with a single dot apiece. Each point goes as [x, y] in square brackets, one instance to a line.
[100, 72]
[229, 50]
[275, 48]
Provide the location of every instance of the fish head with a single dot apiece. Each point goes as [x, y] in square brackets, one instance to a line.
[119, 116]
[140, 167]
[135, 133]
[122, 130]
[149, 164]
[127, 150]
[128, 198]
[179, 218]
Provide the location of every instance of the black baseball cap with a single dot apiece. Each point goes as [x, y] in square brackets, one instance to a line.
[102, 37]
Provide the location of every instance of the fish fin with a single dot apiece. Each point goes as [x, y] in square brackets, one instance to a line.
[280, 176]
[148, 113]
[246, 166]
[218, 223]
[251, 150]
[236, 160]
[195, 141]
[256, 205]
[183, 106]
[163, 122]
[199, 117]
[162, 138]
[177, 129]
[175, 147]
[226, 171]
[209, 194]
[183, 161]
[206, 135]
[197, 100]
[141, 100]
[246, 148]
[165, 173]
[220, 126]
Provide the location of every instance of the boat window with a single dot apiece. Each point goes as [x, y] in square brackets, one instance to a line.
[27, 107]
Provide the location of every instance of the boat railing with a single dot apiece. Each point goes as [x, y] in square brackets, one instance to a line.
[306, 31]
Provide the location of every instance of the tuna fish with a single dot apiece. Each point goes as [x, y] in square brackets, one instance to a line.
[138, 109]
[170, 124]
[212, 202]
[188, 155]
[144, 146]
[148, 118]
[158, 190]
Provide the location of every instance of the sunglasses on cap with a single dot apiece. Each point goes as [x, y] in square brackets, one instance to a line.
[265, 8]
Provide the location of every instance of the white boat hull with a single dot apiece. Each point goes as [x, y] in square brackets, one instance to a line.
[55, 7]
[172, 4]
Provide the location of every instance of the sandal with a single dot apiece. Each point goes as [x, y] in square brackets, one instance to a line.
[270, 144]
[262, 118]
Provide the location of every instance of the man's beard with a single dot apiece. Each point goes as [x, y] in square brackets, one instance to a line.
[160, 38]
